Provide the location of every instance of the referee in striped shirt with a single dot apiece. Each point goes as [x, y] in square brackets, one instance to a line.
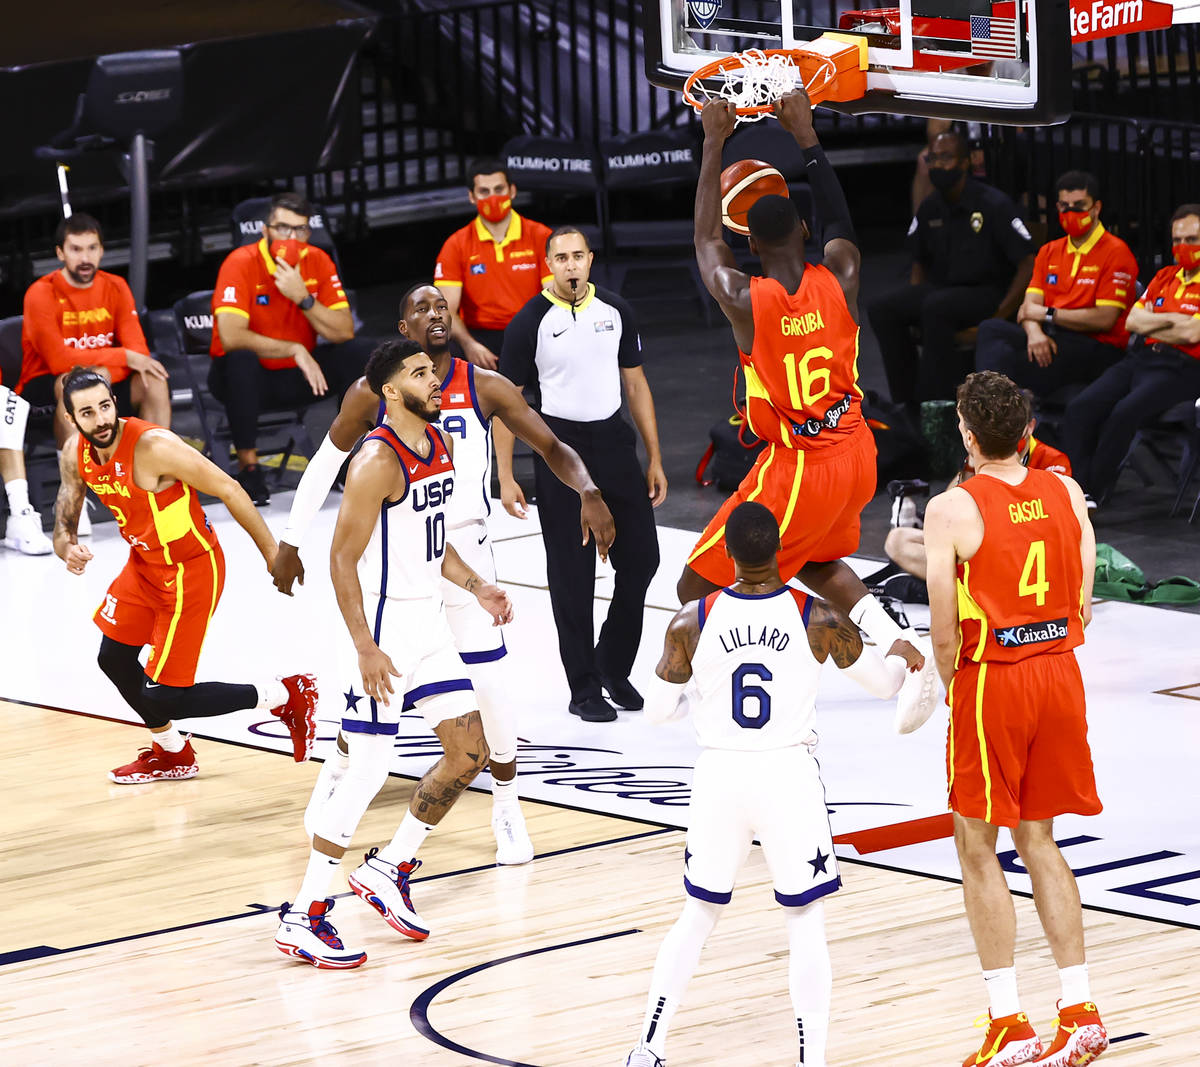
[576, 346]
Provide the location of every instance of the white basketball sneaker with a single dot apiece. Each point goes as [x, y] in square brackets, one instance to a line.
[919, 694]
[513, 846]
[385, 888]
[311, 937]
[643, 1057]
[24, 533]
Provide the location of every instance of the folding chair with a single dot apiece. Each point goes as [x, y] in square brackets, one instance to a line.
[194, 325]
[41, 463]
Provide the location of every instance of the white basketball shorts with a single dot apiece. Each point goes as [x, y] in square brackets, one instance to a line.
[475, 637]
[776, 796]
[433, 681]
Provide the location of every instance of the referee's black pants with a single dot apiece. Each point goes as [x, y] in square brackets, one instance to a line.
[1080, 358]
[609, 450]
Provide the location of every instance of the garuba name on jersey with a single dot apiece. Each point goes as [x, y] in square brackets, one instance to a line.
[403, 559]
[802, 375]
[165, 527]
[1021, 594]
[755, 677]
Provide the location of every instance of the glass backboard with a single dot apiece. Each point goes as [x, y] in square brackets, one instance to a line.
[1005, 61]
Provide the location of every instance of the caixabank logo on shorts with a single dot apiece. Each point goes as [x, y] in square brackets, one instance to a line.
[1032, 633]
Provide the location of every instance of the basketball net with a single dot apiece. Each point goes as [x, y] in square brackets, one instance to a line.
[832, 68]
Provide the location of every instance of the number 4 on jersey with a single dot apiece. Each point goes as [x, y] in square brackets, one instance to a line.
[1033, 574]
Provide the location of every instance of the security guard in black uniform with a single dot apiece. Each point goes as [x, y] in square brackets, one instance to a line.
[972, 259]
[577, 345]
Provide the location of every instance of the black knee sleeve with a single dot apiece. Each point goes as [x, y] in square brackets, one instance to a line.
[121, 666]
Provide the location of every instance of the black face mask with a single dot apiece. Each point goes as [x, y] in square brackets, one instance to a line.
[944, 180]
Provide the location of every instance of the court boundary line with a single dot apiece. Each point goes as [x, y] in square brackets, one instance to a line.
[1025, 894]
[39, 952]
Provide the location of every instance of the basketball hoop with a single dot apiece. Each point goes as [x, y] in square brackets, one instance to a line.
[833, 68]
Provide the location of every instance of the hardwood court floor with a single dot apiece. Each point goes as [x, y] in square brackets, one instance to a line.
[154, 906]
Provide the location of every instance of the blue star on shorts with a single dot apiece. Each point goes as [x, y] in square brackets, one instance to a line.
[818, 864]
[352, 699]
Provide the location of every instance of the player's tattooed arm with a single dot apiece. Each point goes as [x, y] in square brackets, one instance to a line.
[70, 499]
[830, 633]
[679, 645]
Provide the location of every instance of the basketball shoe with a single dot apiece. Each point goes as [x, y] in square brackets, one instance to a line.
[513, 846]
[312, 938]
[918, 695]
[905, 493]
[24, 533]
[1080, 1038]
[299, 713]
[1010, 1040]
[156, 764]
[385, 888]
[643, 1057]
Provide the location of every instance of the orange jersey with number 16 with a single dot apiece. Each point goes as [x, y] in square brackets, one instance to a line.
[166, 527]
[802, 376]
[1021, 594]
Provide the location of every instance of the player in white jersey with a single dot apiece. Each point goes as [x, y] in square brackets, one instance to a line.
[388, 558]
[752, 653]
[471, 397]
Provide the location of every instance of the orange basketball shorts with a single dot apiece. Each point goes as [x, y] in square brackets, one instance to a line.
[1018, 749]
[817, 497]
[167, 607]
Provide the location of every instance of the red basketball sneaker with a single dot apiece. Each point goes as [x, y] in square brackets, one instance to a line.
[1010, 1041]
[299, 714]
[156, 764]
[1081, 1037]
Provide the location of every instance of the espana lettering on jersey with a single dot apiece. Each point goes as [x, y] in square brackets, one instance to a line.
[801, 325]
[1027, 511]
[776, 639]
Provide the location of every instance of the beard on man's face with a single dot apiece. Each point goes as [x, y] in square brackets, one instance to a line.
[102, 436]
[429, 410]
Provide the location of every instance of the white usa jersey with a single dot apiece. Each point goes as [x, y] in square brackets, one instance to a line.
[403, 559]
[755, 677]
[462, 419]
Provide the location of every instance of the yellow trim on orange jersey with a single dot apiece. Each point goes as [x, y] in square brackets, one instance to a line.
[950, 738]
[799, 476]
[339, 305]
[983, 758]
[1110, 304]
[969, 609]
[231, 311]
[170, 640]
[762, 473]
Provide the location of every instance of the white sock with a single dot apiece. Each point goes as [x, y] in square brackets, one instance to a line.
[673, 969]
[880, 627]
[18, 495]
[170, 739]
[410, 836]
[810, 980]
[1002, 991]
[318, 877]
[504, 794]
[271, 694]
[1075, 986]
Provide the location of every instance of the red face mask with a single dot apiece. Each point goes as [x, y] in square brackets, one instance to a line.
[493, 208]
[1075, 223]
[288, 251]
[1187, 256]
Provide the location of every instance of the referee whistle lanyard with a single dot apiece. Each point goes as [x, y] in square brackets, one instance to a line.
[574, 296]
[1187, 256]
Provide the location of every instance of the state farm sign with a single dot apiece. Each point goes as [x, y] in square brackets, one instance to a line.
[1093, 19]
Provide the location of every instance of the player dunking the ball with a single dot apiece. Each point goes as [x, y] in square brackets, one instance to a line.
[1011, 559]
[389, 555]
[796, 330]
[168, 590]
[753, 654]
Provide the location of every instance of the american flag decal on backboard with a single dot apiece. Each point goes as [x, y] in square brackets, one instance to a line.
[993, 38]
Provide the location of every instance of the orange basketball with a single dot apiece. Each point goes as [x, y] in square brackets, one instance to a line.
[742, 183]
